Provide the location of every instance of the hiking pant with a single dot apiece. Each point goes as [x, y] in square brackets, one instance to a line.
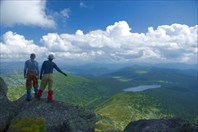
[46, 80]
[31, 77]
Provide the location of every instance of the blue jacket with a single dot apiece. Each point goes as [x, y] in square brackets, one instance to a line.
[31, 66]
[47, 67]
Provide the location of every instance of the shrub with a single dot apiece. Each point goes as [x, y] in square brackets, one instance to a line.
[28, 124]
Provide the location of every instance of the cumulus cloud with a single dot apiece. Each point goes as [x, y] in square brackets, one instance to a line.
[117, 44]
[119, 29]
[16, 47]
[167, 43]
[14, 12]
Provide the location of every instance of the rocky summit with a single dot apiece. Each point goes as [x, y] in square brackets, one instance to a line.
[58, 116]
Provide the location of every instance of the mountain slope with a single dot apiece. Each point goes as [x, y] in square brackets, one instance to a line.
[83, 91]
[123, 108]
[126, 107]
[177, 97]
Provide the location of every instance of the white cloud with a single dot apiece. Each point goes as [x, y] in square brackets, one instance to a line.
[65, 13]
[79, 32]
[16, 47]
[120, 28]
[55, 43]
[14, 12]
[167, 43]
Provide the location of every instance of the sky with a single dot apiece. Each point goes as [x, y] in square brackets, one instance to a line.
[99, 31]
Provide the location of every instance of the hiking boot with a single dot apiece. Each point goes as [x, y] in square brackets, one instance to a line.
[28, 95]
[50, 96]
[39, 94]
[35, 91]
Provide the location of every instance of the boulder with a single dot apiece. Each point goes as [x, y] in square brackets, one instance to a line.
[160, 125]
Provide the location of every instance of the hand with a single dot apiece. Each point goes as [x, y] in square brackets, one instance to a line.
[41, 77]
[65, 74]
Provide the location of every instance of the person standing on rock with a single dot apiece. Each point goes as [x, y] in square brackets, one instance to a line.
[46, 77]
[31, 73]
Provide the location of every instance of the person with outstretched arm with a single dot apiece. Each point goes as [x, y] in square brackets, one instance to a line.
[46, 77]
[31, 73]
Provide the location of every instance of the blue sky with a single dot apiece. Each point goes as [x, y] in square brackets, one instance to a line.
[98, 14]
[91, 18]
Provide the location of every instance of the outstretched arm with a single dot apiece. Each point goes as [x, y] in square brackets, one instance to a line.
[59, 70]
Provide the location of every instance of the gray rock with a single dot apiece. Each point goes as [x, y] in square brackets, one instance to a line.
[160, 125]
[3, 90]
[5, 107]
[58, 116]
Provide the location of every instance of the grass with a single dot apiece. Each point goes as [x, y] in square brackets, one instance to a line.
[126, 107]
[15, 93]
[28, 124]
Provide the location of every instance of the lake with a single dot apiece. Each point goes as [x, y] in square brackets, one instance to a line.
[141, 88]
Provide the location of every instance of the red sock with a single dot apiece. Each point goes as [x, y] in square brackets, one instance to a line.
[39, 94]
[50, 95]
